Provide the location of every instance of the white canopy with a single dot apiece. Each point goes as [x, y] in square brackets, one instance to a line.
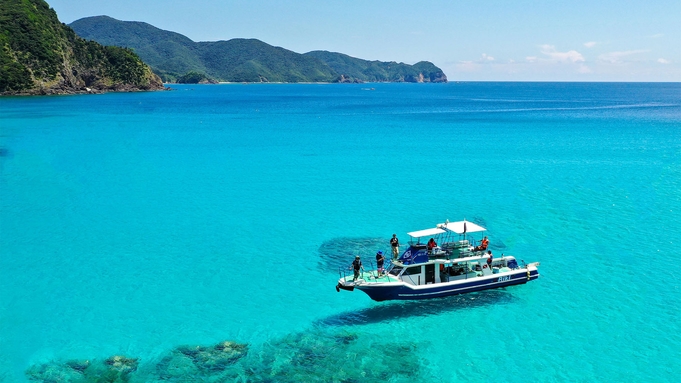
[426, 232]
[457, 227]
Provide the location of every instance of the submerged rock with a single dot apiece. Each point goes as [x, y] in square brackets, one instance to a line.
[57, 372]
[116, 369]
[320, 356]
[78, 365]
[192, 360]
[122, 364]
[317, 355]
[313, 356]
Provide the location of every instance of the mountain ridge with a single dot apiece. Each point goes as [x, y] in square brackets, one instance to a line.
[173, 55]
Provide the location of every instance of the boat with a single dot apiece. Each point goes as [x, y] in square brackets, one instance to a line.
[460, 264]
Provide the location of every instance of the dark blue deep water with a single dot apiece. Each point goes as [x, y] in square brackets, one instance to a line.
[146, 224]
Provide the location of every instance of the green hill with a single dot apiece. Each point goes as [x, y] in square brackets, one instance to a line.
[251, 60]
[169, 54]
[40, 55]
[173, 56]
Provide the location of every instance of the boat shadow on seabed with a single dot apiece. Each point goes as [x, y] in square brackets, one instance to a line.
[381, 312]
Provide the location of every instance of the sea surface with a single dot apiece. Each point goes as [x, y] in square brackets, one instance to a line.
[145, 225]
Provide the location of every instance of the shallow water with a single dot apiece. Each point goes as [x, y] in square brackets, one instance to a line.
[131, 224]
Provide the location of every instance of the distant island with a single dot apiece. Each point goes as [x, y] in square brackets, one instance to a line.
[40, 55]
[176, 58]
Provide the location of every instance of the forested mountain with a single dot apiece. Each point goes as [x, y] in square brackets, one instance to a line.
[173, 56]
[40, 55]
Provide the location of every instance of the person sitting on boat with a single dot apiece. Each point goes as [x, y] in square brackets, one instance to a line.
[357, 265]
[489, 260]
[379, 262]
[483, 245]
[431, 245]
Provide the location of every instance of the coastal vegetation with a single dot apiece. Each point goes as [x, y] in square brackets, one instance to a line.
[40, 55]
[172, 56]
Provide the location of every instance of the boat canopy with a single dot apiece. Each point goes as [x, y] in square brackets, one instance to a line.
[458, 227]
[426, 232]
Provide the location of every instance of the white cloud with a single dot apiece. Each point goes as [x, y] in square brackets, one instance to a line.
[467, 66]
[663, 61]
[657, 35]
[590, 44]
[487, 58]
[555, 61]
[555, 56]
[617, 57]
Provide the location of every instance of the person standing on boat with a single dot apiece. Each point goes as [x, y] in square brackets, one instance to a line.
[379, 262]
[431, 245]
[395, 244]
[489, 260]
[357, 265]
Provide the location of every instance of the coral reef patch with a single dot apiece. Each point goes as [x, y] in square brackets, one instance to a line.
[116, 369]
[317, 355]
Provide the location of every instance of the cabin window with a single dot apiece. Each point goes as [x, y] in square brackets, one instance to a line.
[413, 270]
[395, 271]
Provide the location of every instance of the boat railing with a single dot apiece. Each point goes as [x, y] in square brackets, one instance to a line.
[345, 272]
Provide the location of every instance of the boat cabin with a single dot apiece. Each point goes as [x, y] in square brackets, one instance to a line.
[448, 270]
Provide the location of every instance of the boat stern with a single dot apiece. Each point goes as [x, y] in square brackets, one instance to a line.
[532, 271]
[347, 284]
[365, 278]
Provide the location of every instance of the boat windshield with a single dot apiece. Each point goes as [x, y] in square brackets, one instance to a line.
[395, 270]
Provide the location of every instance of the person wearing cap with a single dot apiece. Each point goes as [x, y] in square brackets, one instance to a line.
[379, 262]
[395, 244]
[357, 265]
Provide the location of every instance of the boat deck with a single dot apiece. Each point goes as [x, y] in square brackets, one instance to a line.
[371, 276]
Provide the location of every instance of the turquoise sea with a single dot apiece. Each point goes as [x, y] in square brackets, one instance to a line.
[146, 224]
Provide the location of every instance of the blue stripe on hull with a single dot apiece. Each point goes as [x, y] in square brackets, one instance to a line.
[384, 293]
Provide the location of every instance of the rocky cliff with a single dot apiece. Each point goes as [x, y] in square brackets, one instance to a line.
[40, 55]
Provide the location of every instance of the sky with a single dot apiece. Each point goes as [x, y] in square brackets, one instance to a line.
[483, 40]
